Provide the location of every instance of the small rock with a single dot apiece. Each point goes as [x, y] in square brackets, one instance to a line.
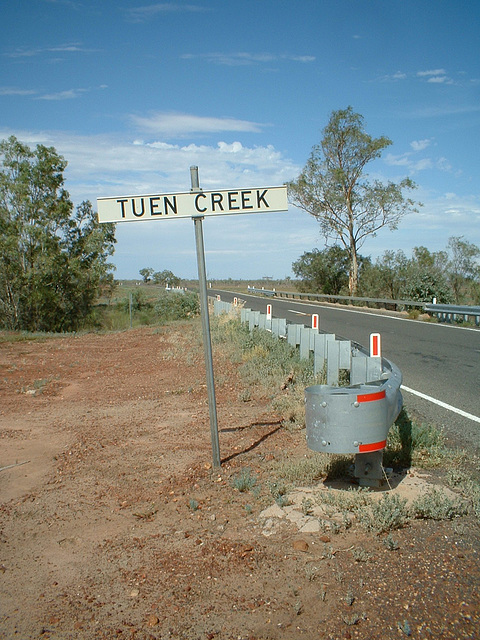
[311, 526]
[273, 512]
[135, 593]
[324, 539]
[152, 621]
[300, 545]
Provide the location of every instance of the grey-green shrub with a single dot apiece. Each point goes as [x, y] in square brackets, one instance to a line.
[244, 480]
[390, 512]
[436, 505]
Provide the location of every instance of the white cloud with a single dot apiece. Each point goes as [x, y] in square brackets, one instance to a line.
[420, 145]
[399, 75]
[14, 91]
[70, 94]
[443, 164]
[146, 12]
[181, 124]
[443, 111]
[432, 72]
[421, 165]
[114, 165]
[72, 47]
[410, 159]
[244, 58]
[435, 76]
[414, 164]
[67, 3]
[440, 80]
[398, 161]
[440, 218]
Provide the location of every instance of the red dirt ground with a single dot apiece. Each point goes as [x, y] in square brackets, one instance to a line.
[116, 526]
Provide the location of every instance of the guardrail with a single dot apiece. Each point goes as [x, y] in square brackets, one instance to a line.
[449, 312]
[386, 302]
[354, 419]
[444, 312]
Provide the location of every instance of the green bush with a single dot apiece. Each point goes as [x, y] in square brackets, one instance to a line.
[469, 487]
[269, 366]
[138, 301]
[352, 500]
[175, 305]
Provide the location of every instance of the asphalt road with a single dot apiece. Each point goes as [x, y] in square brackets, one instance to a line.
[438, 360]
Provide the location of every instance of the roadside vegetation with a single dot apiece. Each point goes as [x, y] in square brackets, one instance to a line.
[268, 367]
[452, 275]
[138, 307]
[54, 260]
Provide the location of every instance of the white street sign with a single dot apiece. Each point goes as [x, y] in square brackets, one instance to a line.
[192, 204]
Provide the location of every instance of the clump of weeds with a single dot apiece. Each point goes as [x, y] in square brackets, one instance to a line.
[435, 505]
[388, 513]
[193, 504]
[279, 491]
[244, 481]
[391, 543]
[304, 471]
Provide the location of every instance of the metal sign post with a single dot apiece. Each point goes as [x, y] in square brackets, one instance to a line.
[196, 204]
[207, 341]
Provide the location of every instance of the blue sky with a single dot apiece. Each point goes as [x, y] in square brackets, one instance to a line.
[134, 93]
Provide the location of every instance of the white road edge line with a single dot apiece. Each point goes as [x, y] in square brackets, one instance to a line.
[299, 313]
[470, 416]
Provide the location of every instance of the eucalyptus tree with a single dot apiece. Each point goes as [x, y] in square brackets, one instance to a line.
[334, 187]
[322, 271]
[53, 260]
[464, 266]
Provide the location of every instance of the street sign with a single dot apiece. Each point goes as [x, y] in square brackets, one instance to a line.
[190, 204]
[196, 204]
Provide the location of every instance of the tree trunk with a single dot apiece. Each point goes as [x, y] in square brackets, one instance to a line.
[353, 275]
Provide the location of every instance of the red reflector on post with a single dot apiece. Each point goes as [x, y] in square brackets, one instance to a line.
[375, 345]
[375, 446]
[370, 397]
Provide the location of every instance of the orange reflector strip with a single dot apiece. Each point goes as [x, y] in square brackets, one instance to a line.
[370, 397]
[375, 446]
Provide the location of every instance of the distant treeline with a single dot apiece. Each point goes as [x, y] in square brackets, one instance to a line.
[450, 276]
